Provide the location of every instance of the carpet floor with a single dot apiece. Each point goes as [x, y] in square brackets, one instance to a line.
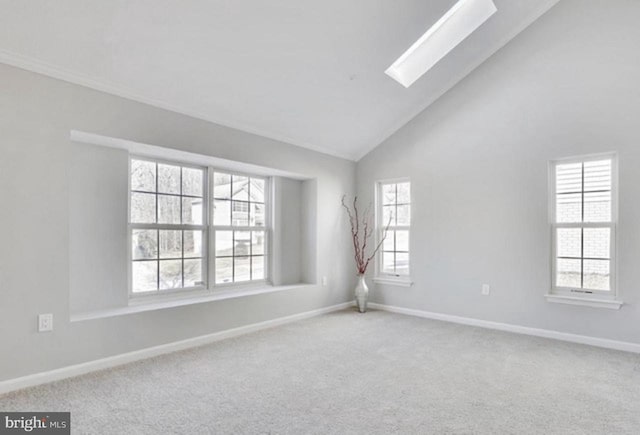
[347, 373]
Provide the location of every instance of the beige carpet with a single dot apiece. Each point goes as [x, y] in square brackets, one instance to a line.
[350, 373]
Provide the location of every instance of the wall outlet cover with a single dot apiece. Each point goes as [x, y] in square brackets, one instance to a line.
[45, 322]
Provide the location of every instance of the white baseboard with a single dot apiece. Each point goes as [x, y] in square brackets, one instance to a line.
[113, 361]
[546, 333]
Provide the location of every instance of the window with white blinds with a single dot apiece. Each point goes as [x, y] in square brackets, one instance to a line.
[583, 226]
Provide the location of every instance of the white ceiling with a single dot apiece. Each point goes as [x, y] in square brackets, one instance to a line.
[306, 72]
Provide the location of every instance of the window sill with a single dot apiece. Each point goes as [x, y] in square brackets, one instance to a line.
[399, 282]
[141, 306]
[587, 302]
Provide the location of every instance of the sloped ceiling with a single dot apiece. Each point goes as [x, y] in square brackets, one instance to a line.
[310, 73]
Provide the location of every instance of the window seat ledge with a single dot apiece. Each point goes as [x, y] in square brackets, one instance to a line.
[393, 281]
[155, 304]
[588, 302]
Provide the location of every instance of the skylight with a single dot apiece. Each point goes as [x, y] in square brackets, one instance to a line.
[450, 30]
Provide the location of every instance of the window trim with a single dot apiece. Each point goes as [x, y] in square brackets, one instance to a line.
[268, 198]
[588, 297]
[379, 276]
[209, 286]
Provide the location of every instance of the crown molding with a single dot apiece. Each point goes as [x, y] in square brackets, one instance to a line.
[40, 67]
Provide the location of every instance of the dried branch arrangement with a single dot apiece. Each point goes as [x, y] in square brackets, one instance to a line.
[361, 232]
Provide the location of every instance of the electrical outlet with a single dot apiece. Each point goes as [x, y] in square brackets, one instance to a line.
[324, 281]
[45, 322]
[486, 289]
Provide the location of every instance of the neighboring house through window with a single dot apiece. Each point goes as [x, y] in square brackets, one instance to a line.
[583, 220]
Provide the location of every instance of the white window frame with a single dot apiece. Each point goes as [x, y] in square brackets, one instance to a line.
[208, 255]
[381, 277]
[157, 226]
[588, 297]
[268, 198]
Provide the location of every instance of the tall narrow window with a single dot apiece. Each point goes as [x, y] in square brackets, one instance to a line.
[167, 226]
[583, 226]
[240, 228]
[394, 212]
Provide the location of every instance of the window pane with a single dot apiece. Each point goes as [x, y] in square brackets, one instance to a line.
[568, 273]
[170, 244]
[143, 208]
[144, 244]
[224, 270]
[257, 190]
[404, 193]
[168, 209]
[168, 178]
[388, 261]
[597, 243]
[388, 194]
[192, 243]
[389, 241]
[402, 263]
[242, 243]
[221, 186]
[257, 243]
[388, 215]
[192, 181]
[569, 242]
[221, 212]
[569, 208]
[239, 213]
[597, 175]
[596, 275]
[170, 274]
[241, 269]
[193, 273]
[224, 243]
[192, 211]
[144, 276]
[569, 178]
[257, 215]
[240, 188]
[404, 215]
[597, 207]
[143, 175]
[257, 267]
[402, 241]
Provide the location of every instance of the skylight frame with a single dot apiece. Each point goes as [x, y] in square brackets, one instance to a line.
[458, 23]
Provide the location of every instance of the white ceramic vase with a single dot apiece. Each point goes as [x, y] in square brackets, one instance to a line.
[362, 294]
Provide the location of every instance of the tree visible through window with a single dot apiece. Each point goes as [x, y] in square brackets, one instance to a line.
[166, 226]
[394, 206]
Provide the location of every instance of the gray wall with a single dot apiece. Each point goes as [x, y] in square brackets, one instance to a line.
[477, 158]
[38, 194]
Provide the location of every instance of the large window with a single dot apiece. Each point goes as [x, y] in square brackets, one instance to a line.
[394, 213]
[166, 226]
[583, 226]
[171, 213]
[239, 225]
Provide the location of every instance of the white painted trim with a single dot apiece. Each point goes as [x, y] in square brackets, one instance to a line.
[38, 66]
[391, 281]
[176, 299]
[611, 304]
[129, 357]
[172, 155]
[525, 330]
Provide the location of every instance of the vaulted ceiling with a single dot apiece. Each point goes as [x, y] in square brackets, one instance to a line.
[310, 73]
